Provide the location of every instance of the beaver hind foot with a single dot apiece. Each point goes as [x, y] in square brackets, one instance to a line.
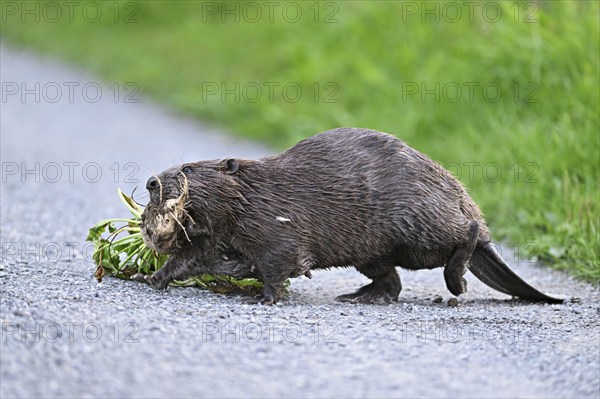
[457, 264]
[383, 290]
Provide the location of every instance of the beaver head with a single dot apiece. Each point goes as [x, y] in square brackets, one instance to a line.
[186, 201]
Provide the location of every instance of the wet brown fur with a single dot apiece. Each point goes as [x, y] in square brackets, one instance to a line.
[345, 197]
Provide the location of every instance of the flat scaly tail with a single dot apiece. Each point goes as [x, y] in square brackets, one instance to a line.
[487, 265]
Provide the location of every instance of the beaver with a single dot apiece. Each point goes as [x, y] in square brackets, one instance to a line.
[347, 197]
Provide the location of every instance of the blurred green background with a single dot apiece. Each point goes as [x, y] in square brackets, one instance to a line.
[505, 94]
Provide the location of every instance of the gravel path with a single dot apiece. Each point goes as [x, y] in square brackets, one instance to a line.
[63, 334]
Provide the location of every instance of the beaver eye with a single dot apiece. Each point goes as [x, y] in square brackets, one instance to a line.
[187, 169]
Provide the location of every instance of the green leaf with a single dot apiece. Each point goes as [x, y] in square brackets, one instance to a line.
[135, 209]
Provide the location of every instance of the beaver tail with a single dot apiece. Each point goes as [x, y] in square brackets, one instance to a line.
[487, 265]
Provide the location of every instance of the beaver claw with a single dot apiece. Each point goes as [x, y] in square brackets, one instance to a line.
[269, 296]
[151, 280]
[263, 300]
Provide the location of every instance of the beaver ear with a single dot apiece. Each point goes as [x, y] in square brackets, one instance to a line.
[231, 166]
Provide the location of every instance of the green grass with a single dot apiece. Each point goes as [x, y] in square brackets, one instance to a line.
[544, 139]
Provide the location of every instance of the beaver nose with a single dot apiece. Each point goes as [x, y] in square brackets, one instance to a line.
[152, 183]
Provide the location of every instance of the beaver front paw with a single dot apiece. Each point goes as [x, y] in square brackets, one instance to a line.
[153, 280]
[270, 296]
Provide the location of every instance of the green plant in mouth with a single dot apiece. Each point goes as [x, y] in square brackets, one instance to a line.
[121, 252]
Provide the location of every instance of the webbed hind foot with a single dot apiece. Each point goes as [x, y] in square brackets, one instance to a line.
[457, 264]
[383, 290]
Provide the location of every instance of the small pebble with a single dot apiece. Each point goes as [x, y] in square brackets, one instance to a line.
[452, 302]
